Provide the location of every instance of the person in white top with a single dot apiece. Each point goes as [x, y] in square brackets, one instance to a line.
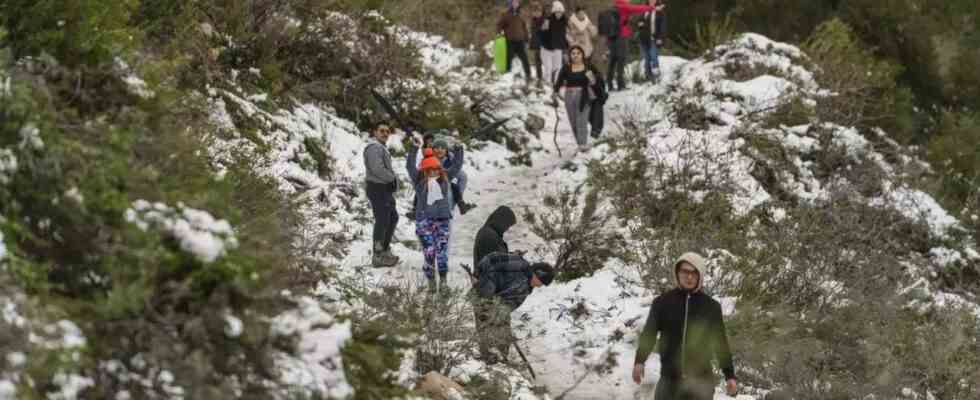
[581, 32]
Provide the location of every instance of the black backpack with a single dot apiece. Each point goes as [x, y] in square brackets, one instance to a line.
[609, 23]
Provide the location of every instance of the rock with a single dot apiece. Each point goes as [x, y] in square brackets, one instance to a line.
[534, 123]
[439, 387]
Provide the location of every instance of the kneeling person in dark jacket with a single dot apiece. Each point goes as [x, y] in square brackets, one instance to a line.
[504, 280]
[692, 332]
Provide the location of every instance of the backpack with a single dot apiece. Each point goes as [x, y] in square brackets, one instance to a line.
[609, 23]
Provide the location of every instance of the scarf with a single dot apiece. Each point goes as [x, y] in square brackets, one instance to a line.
[434, 191]
[580, 25]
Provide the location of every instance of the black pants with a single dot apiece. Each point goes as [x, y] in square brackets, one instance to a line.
[518, 48]
[617, 63]
[596, 118]
[536, 60]
[382, 198]
[687, 389]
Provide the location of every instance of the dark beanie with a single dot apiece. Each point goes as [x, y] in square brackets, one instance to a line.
[544, 271]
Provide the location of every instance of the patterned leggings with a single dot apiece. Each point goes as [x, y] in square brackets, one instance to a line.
[434, 234]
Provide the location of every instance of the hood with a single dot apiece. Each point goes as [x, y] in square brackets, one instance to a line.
[695, 260]
[501, 219]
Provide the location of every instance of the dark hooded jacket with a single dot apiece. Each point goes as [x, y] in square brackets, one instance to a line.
[505, 276]
[490, 237]
[554, 38]
[691, 329]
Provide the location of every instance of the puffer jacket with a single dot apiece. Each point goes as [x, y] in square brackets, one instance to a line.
[504, 276]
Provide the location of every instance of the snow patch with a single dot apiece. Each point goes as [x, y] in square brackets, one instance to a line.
[70, 385]
[8, 165]
[918, 205]
[30, 137]
[233, 326]
[198, 233]
[75, 195]
[8, 390]
[318, 366]
[3, 248]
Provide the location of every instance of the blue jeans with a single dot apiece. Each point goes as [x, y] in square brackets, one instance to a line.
[651, 60]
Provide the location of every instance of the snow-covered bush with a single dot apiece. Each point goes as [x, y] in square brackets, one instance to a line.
[821, 229]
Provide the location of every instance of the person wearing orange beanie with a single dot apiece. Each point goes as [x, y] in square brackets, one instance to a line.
[433, 213]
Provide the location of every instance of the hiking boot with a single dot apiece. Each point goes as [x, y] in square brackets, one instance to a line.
[390, 258]
[465, 207]
[443, 285]
[381, 258]
[380, 261]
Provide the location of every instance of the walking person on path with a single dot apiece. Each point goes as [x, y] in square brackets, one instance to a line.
[581, 31]
[553, 41]
[433, 213]
[502, 282]
[452, 162]
[692, 332]
[515, 31]
[537, 19]
[577, 78]
[597, 113]
[381, 185]
[618, 45]
[652, 26]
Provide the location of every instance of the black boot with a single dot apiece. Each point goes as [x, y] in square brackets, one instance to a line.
[443, 285]
[381, 258]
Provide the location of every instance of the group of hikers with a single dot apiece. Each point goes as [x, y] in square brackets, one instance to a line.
[684, 326]
[562, 47]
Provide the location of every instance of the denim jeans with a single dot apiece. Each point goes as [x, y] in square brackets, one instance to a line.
[651, 58]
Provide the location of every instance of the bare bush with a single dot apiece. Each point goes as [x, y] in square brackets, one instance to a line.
[576, 231]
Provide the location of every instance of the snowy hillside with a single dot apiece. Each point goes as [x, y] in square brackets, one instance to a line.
[570, 328]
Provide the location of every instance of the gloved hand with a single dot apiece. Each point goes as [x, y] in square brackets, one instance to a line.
[457, 147]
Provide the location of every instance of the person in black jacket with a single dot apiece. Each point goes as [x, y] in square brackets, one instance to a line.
[597, 117]
[537, 19]
[651, 37]
[490, 237]
[554, 42]
[577, 78]
[502, 282]
[692, 332]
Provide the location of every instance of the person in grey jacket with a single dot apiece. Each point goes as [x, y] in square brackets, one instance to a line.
[502, 283]
[381, 185]
[433, 212]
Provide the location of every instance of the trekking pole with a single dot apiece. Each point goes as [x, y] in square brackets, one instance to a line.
[557, 118]
[528, 364]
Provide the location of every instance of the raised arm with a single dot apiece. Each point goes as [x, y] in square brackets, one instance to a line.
[410, 165]
[457, 161]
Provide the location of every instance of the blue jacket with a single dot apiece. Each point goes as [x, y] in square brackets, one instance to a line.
[506, 276]
[442, 209]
